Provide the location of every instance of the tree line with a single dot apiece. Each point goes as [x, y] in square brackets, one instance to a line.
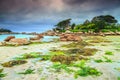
[102, 23]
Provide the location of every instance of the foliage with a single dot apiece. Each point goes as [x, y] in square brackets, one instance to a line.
[63, 24]
[28, 71]
[2, 74]
[73, 26]
[104, 23]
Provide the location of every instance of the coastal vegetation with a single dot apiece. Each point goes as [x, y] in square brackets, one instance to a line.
[102, 23]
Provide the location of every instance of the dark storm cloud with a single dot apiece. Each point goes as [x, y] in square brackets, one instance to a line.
[51, 11]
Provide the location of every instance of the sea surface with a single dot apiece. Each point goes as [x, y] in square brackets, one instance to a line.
[46, 38]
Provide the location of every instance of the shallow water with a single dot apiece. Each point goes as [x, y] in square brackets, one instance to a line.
[45, 39]
[3, 36]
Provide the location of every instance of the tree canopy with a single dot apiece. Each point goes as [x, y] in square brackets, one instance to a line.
[63, 24]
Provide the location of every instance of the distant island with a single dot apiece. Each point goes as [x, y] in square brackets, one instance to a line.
[4, 30]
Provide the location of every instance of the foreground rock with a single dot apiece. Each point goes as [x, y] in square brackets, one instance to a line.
[9, 38]
[70, 37]
[19, 41]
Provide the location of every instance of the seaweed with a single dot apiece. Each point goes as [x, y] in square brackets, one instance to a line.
[109, 53]
[1, 73]
[85, 70]
[65, 59]
[13, 63]
[28, 55]
[82, 51]
[28, 71]
[81, 44]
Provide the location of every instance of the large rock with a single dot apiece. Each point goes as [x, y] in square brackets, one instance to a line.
[19, 41]
[34, 38]
[9, 38]
[70, 37]
[1, 44]
[38, 37]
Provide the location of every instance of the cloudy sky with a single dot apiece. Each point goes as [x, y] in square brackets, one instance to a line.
[41, 15]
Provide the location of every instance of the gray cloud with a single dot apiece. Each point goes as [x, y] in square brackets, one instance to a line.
[51, 11]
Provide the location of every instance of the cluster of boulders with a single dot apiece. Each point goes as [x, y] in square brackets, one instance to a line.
[38, 37]
[11, 40]
[51, 33]
[18, 41]
[70, 37]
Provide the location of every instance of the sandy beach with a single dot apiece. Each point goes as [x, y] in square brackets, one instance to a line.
[41, 68]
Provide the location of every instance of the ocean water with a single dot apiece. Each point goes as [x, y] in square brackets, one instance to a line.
[3, 36]
[46, 38]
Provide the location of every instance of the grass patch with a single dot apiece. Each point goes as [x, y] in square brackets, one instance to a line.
[28, 71]
[109, 53]
[28, 56]
[13, 63]
[2, 74]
